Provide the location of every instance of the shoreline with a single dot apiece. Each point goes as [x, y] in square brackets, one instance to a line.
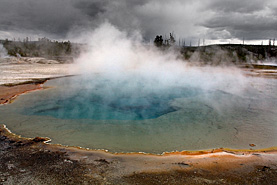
[47, 140]
[77, 165]
[9, 93]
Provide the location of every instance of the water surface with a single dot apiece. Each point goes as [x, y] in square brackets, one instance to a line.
[131, 117]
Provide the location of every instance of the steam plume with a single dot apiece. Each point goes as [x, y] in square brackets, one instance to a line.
[3, 52]
[123, 57]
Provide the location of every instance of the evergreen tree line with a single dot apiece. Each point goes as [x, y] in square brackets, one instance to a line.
[42, 48]
[221, 53]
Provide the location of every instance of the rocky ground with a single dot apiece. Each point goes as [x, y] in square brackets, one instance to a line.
[31, 161]
[260, 70]
[18, 70]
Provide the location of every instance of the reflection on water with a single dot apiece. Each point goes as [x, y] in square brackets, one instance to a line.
[107, 115]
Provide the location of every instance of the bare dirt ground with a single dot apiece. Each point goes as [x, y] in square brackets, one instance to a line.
[21, 70]
[31, 161]
[8, 93]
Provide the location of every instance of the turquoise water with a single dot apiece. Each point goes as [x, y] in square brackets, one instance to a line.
[105, 100]
[114, 114]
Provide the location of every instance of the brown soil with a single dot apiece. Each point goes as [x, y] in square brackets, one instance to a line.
[8, 92]
[31, 161]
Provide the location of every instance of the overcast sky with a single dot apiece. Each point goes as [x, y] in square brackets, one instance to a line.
[218, 20]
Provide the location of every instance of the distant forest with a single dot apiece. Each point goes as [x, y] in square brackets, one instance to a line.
[210, 54]
[220, 53]
[41, 48]
[232, 53]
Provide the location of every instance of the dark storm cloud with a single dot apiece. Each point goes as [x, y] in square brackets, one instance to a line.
[53, 17]
[90, 8]
[249, 19]
[58, 17]
[240, 6]
[192, 19]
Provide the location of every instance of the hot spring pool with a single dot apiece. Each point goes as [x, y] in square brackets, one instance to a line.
[134, 116]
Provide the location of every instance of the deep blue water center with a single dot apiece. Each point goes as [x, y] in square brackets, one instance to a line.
[100, 98]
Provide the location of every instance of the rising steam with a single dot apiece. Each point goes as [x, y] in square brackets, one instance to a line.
[3, 52]
[125, 58]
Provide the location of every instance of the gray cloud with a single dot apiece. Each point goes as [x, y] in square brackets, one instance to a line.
[249, 19]
[91, 8]
[191, 19]
[239, 6]
[39, 16]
